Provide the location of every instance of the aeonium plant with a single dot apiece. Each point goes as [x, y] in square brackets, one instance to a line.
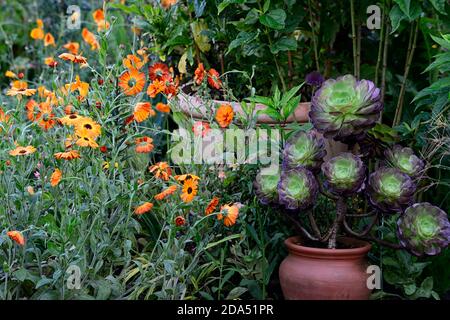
[346, 108]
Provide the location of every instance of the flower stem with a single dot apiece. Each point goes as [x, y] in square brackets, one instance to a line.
[355, 59]
[409, 57]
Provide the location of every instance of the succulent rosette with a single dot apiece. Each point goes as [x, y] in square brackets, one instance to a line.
[304, 149]
[297, 188]
[345, 107]
[345, 174]
[266, 186]
[424, 229]
[405, 160]
[389, 189]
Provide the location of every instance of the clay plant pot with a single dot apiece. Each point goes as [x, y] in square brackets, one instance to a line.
[309, 273]
[191, 106]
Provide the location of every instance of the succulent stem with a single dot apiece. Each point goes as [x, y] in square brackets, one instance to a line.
[341, 209]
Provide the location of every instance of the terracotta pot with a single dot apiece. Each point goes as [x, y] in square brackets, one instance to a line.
[191, 106]
[309, 273]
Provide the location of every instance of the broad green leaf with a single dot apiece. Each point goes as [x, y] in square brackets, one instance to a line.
[266, 6]
[397, 16]
[263, 100]
[289, 108]
[182, 63]
[411, 8]
[439, 5]
[274, 19]
[274, 114]
[284, 44]
[444, 41]
[224, 4]
[290, 94]
[200, 38]
[241, 39]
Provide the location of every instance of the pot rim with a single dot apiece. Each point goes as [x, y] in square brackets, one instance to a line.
[325, 253]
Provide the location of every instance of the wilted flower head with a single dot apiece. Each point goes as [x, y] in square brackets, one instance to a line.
[266, 186]
[345, 107]
[405, 160]
[297, 188]
[424, 229]
[344, 174]
[314, 79]
[390, 189]
[304, 149]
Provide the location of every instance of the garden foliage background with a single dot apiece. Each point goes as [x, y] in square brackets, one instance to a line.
[102, 214]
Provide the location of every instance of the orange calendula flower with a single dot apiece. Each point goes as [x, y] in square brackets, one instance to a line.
[162, 107]
[73, 57]
[17, 237]
[171, 86]
[67, 155]
[189, 191]
[134, 62]
[22, 151]
[214, 79]
[56, 177]
[201, 129]
[90, 39]
[45, 117]
[224, 115]
[183, 177]
[155, 88]
[49, 40]
[212, 205]
[70, 119]
[51, 62]
[86, 141]
[10, 74]
[132, 82]
[99, 18]
[142, 111]
[143, 208]
[180, 221]
[157, 70]
[161, 170]
[40, 23]
[199, 74]
[19, 89]
[144, 145]
[72, 47]
[82, 87]
[88, 127]
[166, 192]
[4, 118]
[229, 214]
[38, 33]
[32, 108]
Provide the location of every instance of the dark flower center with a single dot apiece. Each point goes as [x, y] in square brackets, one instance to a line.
[88, 126]
[189, 190]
